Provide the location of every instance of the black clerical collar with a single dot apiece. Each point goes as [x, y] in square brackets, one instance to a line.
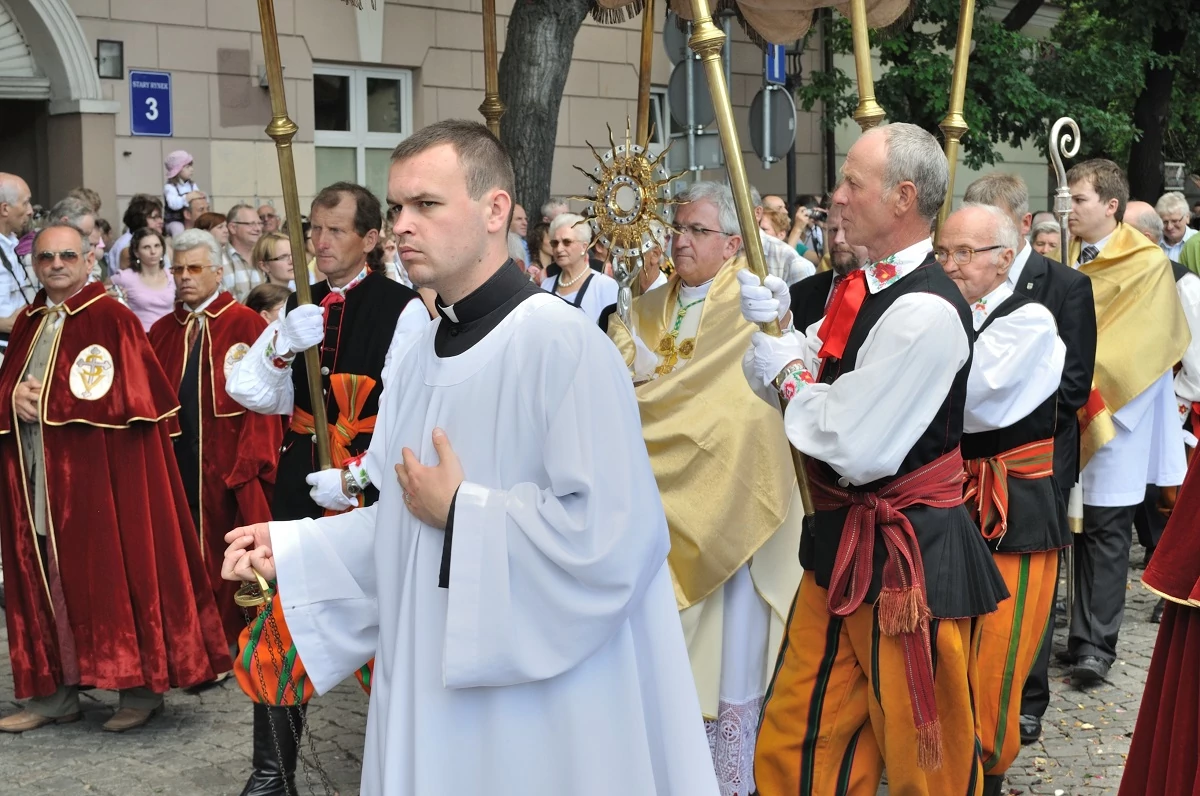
[466, 322]
[499, 287]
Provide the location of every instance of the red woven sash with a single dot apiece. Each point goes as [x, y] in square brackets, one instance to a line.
[987, 482]
[903, 608]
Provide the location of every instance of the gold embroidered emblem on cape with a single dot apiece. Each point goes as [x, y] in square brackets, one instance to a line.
[92, 373]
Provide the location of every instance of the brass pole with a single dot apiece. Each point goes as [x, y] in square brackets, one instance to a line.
[643, 106]
[868, 114]
[492, 108]
[282, 129]
[707, 41]
[954, 126]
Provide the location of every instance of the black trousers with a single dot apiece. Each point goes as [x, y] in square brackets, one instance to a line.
[1101, 570]
[1149, 521]
[1035, 696]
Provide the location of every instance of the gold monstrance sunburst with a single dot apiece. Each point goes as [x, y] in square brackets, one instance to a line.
[625, 205]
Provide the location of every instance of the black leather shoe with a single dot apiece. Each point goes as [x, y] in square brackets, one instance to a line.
[1031, 729]
[1156, 613]
[1065, 657]
[1089, 669]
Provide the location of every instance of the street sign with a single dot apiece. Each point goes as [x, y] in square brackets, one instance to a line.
[675, 39]
[776, 64]
[772, 112]
[703, 113]
[150, 104]
[707, 153]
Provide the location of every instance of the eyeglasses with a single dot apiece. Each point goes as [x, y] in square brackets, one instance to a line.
[68, 257]
[255, 223]
[154, 217]
[698, 232]
[566, 244]
[283, 258]
[190, 270]
[963, 255]
[267, 217]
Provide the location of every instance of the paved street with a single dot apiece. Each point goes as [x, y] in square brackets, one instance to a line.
[201, 744]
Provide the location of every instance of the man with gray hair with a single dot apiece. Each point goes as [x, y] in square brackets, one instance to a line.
[1173, 209]
[1008, 445]
[1068, 295]
[17, 286]
[732, 558]
[554, 207]
[197, 345]
[245, 228]
[79, 214]
[895, 569]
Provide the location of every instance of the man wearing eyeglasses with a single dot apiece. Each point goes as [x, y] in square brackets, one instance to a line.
[269, 219]
[1008, 445]
[733, 548]
[106, 581]
[226, 455]
[245, 228]
[894, 566]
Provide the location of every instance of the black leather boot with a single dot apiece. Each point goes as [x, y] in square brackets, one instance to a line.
[275, 766]
[993, 785]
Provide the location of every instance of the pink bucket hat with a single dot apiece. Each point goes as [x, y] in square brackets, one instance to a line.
[176, 161]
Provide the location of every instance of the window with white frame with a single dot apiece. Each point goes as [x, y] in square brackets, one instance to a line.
[360, 117]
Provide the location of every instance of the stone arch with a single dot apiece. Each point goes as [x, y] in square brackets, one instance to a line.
[60, 49]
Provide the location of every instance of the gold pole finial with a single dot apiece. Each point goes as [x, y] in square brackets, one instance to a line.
[868, 114]
[282, 130]
[492, 108]
[954, 126]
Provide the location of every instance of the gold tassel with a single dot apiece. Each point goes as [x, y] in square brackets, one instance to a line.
[929, 746]
[900, 611]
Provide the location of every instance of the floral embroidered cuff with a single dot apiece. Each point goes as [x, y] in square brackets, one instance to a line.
[357, 472]
[273, 356]
[793, 378]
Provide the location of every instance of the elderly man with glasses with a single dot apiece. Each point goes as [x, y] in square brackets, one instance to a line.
[105, 579]
[1008, 445]
[245, 228]
[269, 218]
[733, 547]
[226, 454]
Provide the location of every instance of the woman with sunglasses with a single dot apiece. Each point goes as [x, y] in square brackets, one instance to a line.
[148, 290]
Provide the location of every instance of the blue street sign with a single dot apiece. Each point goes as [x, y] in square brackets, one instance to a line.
[150, 104]
[776, 66]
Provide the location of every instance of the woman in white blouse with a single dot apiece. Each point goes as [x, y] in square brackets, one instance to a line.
[577, 284]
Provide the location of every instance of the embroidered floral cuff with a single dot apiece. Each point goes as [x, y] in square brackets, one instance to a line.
[273, 356]
[793, 378]
[357, 472]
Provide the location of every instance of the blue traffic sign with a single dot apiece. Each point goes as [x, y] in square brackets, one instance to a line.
[150, 104]
[776, 64]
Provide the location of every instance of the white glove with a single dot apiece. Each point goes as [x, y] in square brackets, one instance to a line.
[300, 329]
[644, 361]
[766, 301]
[327, 491]
[768, 356]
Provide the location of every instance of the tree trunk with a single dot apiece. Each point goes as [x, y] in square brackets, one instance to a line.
[1019, 15]
[533, 73]
[1151, 114]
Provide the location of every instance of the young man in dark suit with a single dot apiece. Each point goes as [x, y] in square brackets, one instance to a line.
[811, 296]
[1068, 295]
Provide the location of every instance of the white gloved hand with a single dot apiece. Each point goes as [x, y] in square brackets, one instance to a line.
[300, 329]
[766, 301]
[644, 361]
[327, 491]
[768, 356]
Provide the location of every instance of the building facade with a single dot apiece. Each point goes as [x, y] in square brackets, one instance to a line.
[357, 82]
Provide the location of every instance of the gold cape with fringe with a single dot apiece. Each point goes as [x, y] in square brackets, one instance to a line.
[1141, 331]
[719, 452]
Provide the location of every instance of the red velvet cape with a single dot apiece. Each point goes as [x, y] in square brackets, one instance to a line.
[238, 449]
[135, 589]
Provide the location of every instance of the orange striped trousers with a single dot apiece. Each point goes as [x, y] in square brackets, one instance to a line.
[838, 709]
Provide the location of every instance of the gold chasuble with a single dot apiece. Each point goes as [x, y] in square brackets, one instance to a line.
[719, 452]
[1141, 331]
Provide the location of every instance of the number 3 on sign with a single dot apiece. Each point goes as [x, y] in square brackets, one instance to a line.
[151, 108]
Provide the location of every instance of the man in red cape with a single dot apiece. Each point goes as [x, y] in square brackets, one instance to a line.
[226, 455]
[1162, 758]
[105, 584]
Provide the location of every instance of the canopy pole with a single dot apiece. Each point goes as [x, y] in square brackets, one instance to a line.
[954, 126]
[492, 108]
[643, 106]
[868, 114]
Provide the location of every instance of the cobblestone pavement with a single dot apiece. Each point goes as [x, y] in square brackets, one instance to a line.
[201, 744]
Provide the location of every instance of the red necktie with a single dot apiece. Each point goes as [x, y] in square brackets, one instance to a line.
[843, 309]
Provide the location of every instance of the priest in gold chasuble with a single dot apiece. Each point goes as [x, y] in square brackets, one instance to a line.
[725, 473]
